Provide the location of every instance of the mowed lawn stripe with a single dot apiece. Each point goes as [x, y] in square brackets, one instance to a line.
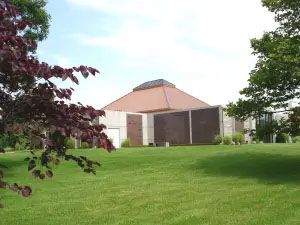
[249, 184]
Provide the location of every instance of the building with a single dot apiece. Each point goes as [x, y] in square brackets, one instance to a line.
[266, 120]
[157, 112]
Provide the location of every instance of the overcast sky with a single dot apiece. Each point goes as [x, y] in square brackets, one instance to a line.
[202, 46]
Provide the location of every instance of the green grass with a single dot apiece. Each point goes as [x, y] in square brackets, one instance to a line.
[212, 185]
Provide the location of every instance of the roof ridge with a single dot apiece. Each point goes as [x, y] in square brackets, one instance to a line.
[153, 83]
[167, 98]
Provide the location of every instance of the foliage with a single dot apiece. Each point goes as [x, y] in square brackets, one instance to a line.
[296, 139]
[275, 80]
[238, 138]
[282, 138]
[30, 103]
[15, 142]
[23, 143]
[126, 143]
[294, 122]
[69, 143]
[267, 130]
[290, 126]
[218, 139]
[227, 140]
[8, 140]
[57, 137]
[9, 149]
[84, 145]
[256, 140]
[34, 11]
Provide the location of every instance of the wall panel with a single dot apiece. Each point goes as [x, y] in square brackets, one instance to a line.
[172, 128]
[205, 125]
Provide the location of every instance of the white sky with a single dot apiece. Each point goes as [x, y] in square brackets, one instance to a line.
[202, 46]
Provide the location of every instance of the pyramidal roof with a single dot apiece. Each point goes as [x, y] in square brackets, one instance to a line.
[155, 96]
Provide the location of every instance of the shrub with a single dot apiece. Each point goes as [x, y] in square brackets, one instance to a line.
[282, 138]
[84, 145]
[227, 140]
[255, 140]
[238, 138]
[18, 147]
[70, 143]
[296, 139]
[235, 138]
[218, 139]
[22, 144]
[287, 138]
[9, 149]
[8, 140]
[126, 143]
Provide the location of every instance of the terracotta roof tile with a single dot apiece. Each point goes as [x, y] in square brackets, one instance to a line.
[155, 97]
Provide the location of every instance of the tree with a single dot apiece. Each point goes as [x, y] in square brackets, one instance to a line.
[34, 11]
[275, 80]
[30, 103]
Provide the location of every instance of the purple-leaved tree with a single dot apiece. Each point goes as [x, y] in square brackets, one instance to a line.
[30, 103]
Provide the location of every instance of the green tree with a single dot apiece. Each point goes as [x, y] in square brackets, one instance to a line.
[275, 80]
[35, 12]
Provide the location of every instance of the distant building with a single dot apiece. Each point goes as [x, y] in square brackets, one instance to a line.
[267, 120]
[157, 112]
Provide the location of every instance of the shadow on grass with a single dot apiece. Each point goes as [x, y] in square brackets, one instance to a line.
[267, 168]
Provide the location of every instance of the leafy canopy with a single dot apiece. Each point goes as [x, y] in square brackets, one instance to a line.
[30, 103]
[34, 11]
[275, 80]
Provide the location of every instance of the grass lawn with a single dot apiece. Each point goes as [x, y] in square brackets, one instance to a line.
[216, 185]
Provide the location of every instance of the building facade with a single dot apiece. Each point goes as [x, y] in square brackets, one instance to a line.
[156, 112]
[180, 127]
